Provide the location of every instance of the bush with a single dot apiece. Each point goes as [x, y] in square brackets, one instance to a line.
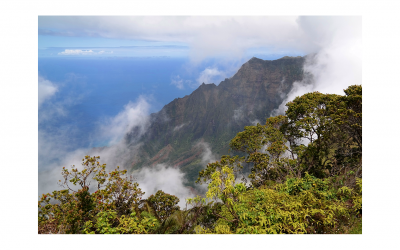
[110, 209]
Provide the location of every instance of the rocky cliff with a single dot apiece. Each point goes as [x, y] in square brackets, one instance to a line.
[214, 114]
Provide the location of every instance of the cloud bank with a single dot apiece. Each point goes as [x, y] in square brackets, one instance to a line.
[58, 145]
[338, 62]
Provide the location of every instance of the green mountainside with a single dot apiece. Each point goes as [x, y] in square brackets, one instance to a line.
[215, 114]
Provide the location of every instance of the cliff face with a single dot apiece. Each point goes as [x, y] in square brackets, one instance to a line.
[214, 114]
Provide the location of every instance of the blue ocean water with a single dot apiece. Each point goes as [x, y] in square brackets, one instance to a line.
[108, 84]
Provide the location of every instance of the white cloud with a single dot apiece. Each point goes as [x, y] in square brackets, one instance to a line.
[75, 52]
[56, 148]
[46, 89]
[255, 122]
[209, 75]
[51, 108]
[177, 81]
[207, 156]
[161, 177]
[179, 127]
[55, 153]
[83, 52]
[338, 62]
[133, 115]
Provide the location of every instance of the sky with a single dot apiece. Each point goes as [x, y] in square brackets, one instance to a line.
[19, 24]
[179, 36]
[215, 46]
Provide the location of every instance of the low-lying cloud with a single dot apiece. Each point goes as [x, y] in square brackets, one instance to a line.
[161, 177]
[55, 152]
[207, 156]
[58, 145]
[133, 115]
[46, 89]
[179, 127]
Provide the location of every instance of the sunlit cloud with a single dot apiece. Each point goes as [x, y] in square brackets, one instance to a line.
[209, 75]
[80, 52]
[338, 62]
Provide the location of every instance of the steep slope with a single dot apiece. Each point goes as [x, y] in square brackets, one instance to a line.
[215, 114]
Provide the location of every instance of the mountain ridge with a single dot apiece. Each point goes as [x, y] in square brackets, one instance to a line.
[214, 114]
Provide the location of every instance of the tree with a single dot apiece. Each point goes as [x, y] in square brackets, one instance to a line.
[163, 204]
[348, 118]
[107, 210]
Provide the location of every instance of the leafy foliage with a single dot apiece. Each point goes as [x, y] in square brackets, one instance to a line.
[80, 211]
[306, 205]
[164, 204]
[304, 171]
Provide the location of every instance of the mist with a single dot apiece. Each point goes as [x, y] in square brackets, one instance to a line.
[207, 155]
[338, 61]
[46, 90]
[165, 178]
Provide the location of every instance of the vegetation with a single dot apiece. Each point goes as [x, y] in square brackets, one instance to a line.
[304, 176]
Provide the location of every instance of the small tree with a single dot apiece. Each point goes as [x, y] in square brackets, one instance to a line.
[77, 210]
[163, 204]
